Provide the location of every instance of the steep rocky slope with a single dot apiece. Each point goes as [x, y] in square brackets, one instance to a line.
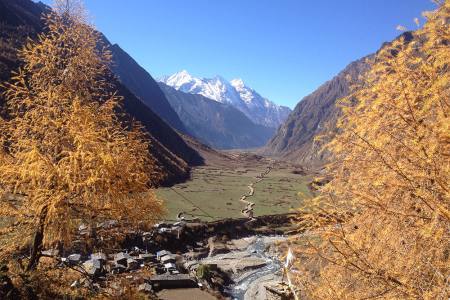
[21, 19]
[141, 83]
[313, 121]
[217, 124]
[260, 110]
[315, 115]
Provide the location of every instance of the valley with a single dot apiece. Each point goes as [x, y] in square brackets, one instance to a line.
[120, 181]
[215, 190]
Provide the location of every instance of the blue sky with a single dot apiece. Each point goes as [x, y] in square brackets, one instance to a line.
[284, 49]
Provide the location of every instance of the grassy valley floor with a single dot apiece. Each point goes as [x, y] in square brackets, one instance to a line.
[214, 190]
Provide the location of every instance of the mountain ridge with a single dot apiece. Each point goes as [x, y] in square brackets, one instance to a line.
[142, 84]
[257, 108]
[316, 116]
[171, 153]
[217, 124]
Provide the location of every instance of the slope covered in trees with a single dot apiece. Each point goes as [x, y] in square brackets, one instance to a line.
[63, 145]
[22, 19]
[389, 195]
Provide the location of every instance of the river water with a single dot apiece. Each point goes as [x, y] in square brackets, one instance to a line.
[252, 265]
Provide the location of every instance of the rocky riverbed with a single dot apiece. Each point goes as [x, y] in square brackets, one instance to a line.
[252, 263]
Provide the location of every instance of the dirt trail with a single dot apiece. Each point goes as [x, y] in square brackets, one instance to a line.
[247, 211]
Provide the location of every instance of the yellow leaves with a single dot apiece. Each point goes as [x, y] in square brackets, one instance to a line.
[65, 147]
[417, 22]
[392, 175]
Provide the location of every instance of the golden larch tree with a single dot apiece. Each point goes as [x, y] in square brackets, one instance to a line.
[390, 177]
[64, 147]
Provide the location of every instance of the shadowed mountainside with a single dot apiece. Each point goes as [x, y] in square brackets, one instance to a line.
[217, 124]
[314, 116]
[21, 19]
[313, 122]
[141, 83]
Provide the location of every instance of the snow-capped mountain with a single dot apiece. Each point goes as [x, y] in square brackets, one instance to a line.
[257, 108]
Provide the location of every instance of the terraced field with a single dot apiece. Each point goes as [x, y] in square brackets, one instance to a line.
[214, 191]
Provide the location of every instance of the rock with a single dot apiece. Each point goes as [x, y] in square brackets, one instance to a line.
[242, 244]
[74, 258]
[278, 291]
[50, 252]
[145, 288]
[121, 258]
[132, 264]
[236, 262]
[217, 247]
[93, 267]
[99, 256]
[147, 257]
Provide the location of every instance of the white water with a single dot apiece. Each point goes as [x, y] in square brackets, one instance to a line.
[244, 281]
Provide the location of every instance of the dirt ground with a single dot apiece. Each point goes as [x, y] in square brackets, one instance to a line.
[185, 294]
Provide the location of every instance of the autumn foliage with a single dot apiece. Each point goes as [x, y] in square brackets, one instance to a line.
[65, 149]
[389, 196]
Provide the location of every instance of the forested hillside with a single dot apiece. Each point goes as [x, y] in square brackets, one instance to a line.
[22, 19]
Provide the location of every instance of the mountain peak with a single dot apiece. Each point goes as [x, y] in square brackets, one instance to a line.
[182, 74]
[237, 82]
[259, 109]
[178, 79]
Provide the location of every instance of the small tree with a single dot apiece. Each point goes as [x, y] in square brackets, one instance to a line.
[391, 176]
[64, 147]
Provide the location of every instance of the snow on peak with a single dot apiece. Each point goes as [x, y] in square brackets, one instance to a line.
[238, 82]
[177, 80]
[260, 110]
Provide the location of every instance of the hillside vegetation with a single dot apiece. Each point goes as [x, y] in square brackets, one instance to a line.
[62, 146]
[22, 19]
[390, 178]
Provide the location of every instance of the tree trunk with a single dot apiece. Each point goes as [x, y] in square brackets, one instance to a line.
[36, 247]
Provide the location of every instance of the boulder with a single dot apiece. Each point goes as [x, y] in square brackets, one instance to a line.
[278, 291]
[132, 264]
[93, 267]
[74, 258]
[145, 288]
[99, 256]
